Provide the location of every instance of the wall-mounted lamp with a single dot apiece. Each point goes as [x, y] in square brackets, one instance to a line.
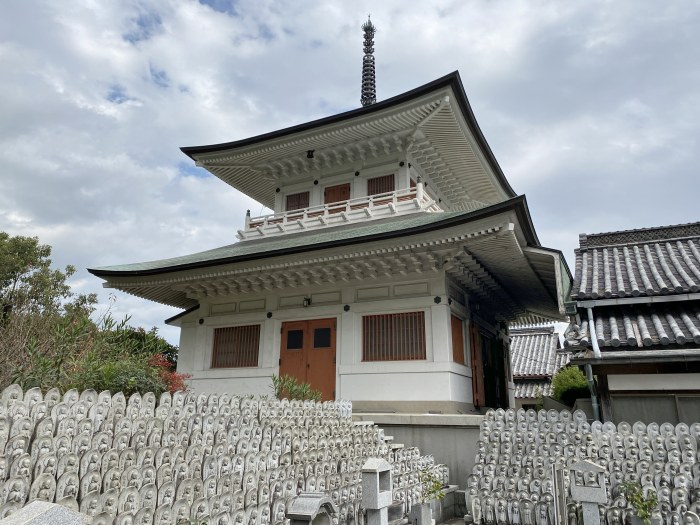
[346, 308]
[437, 299]
[269, 315]
[310, 154]
[307, 302]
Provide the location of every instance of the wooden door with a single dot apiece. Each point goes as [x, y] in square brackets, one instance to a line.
[321, 357]
[457, 339]
[308, 354]
[292, 354]
[338, 193]
[478, 391]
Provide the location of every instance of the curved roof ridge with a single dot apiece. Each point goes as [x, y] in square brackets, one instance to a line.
[452, 80]
[640, 235]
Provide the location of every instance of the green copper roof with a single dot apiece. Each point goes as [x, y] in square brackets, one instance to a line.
[317, 239]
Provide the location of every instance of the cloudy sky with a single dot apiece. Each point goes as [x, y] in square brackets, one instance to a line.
[592, 109]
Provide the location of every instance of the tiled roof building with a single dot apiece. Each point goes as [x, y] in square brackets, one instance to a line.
[637, 297]
[536, 356]
[633, 263]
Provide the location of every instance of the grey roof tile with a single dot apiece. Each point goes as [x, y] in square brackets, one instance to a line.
[643, 326]
[535, 352]
[645, 262]
[532, 389]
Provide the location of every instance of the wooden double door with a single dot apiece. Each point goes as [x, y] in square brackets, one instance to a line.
[308, 353]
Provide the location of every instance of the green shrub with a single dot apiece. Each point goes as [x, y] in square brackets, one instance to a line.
[288, 387]
[128, 374]
[79, 354]
[643, 506]
[568, 385]
[432, 487]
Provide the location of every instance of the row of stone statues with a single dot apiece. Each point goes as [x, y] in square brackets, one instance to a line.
[218, 458]
[512, 481]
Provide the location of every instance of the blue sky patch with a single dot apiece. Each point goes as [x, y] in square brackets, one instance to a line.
[143, 27]
[222, 6]
[159, 76]
[117, 94]
[265, 32]
[188, 169]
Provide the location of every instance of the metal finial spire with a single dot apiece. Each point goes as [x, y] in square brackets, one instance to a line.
[369, 87]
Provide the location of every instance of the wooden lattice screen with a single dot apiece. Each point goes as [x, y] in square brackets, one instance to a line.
[236, 346]
[297, 201]
[393, 337]
[379, 185]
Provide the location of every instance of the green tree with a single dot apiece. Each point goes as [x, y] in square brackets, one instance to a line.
[28, 284]
[49, 339]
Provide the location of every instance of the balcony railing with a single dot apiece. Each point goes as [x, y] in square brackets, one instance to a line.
[384, 205]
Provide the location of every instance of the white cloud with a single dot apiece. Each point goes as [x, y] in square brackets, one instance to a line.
[591, 109]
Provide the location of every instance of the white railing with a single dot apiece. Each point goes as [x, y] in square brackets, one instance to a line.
[362, 208]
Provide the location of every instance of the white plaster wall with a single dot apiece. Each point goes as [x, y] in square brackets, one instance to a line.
[251, 385]
[670, 382]
[437, 378]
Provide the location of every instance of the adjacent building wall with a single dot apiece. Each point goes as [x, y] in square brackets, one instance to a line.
[658, 397]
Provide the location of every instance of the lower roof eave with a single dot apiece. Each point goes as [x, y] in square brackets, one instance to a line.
[478, 249]
[638, 357]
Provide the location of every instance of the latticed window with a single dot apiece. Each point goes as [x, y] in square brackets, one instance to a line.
[297, 201]
[393, 337]
[236, 346]
[379, 185]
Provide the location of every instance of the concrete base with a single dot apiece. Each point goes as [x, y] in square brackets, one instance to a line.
[585, 405]
[549, 403]
[414, 407]
[45, 513]
[451, 439]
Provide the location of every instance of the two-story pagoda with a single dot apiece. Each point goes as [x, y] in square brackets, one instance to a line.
[395, 257]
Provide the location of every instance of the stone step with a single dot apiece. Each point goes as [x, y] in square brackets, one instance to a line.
[395, 512]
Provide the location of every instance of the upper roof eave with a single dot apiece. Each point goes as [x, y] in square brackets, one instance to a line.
[452, 80]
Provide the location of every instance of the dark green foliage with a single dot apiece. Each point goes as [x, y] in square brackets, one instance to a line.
[130, 374]
[568, 385]
[103, 357]
[49, 339]
[27, 282]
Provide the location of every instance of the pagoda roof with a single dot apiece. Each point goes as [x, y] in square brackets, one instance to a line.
[434, 123]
